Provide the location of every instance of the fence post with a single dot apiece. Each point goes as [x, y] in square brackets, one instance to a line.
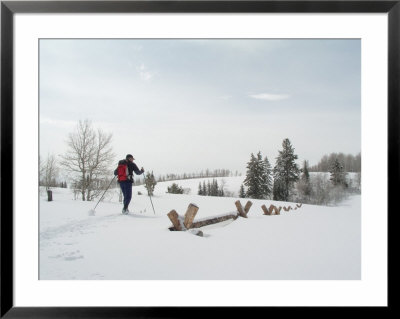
[174, 217]
[189, 215]
[247, 207]
[240, 209]
[49, 195]
[266, 211]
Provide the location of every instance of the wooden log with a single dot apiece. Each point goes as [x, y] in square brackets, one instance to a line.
[247, 207]
[272, 210]
[276, 210]
[266, 211]
[298, 205]
[240, 209]
[189, 215]
[174, 217]
[212, 220]
[286, 209]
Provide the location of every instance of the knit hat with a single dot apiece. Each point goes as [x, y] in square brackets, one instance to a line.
[128, 156]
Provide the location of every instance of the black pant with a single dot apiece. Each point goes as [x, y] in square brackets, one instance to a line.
[126, 187]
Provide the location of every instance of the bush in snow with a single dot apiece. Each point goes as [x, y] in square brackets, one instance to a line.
[229, 194]
[323, 192]
[175, 189]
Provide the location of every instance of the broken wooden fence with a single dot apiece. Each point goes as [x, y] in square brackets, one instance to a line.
[187, 221]
[273, 210]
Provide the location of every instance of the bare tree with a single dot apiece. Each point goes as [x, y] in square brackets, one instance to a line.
[88, 159]
[48, 171]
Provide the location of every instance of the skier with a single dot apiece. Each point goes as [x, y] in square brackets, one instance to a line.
[124, 172]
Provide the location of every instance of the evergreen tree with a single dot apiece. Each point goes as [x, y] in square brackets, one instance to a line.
[278, 191]
[286, 171]
[258, 177]
[150, 183]
[305, 173]
[267, 178]
[306, 179]
[200, 192]
[204, 190]
[214, 188]
[304, 185]
[251, 180]
[242, 193]
[338, 174]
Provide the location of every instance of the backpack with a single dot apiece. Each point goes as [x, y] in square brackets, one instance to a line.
[122, 171]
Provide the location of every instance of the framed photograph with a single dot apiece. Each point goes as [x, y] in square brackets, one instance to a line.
[166, 158]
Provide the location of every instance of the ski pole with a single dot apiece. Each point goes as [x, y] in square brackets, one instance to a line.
[148, 192]
[104, 193]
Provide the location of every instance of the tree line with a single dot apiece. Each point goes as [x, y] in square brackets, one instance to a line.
[48, 173]
[351, 163]
[203, 174]
[286, 181]
[211, 188]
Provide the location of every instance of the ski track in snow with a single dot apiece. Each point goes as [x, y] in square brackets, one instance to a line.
[67, 236]
[81, 227]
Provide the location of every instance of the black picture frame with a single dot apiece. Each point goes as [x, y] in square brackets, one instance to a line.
[9, 8]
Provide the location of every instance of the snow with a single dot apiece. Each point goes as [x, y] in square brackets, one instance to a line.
[313, 242]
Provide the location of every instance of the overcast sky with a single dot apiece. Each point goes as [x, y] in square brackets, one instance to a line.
[187, 105]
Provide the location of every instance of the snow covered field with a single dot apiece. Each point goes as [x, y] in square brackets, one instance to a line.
[313, 242]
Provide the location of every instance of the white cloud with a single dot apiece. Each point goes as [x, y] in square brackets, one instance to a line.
[145, 75]
[225, 97]
[58, 123]
[270, 97]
